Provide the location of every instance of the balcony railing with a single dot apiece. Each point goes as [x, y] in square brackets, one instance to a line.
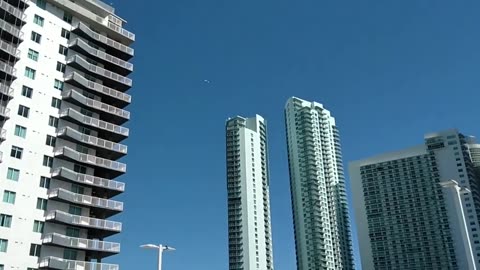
[62, 264]
[103, 39]
[11, 29]
[101, 54]
[4, 113]
[10, 70]
[80, 243]
[96, 123]
[122, 82]
[12, 10]
[10, 49]
[121, 31]
[99, 88]
[3, 134]
[82, 221]
[88, 179]
[89, 159]
[6, 91]
[119, 115]
[93, 141]
[90, 201]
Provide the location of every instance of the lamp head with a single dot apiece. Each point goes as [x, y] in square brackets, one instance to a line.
[151, 246]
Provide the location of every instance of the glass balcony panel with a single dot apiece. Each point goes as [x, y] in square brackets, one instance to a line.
[107, 93]
[63, 264]
[80, 243]
[86, 200]
[90, 180]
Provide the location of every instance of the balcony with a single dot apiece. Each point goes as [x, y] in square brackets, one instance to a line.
[107, 112]
[10, 32]
[109, 95]
[6, 92]
[96, 248]
[103, 167]
[109, 78]
[7, 71]
[120, 33]
[105, 129]
[21, 4]
[104, 186]
[104, 148]
[114, 47]
[11, 14]
[3, 135]
[62, 264]
[4, 113]
[7, 51]
[98, 206]
[97, 228]
[110, 62]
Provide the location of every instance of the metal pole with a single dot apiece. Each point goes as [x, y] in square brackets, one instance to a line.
[160, 253]
[470, 249]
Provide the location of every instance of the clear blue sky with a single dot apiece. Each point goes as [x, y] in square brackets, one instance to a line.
[389, 71]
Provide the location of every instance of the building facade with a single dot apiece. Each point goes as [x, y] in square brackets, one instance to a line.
[317, 183]
[249, 226]
[63, 78]
[406, 218]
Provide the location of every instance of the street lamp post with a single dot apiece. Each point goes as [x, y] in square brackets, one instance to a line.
[463, 221]
[161, 249]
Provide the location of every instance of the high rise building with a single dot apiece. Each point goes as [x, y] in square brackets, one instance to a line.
[406, 218]
[317, 183]
[249, 227]
[63, 78]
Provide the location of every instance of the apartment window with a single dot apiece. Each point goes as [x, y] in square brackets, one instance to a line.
[44, 182]
[52, 121]
[38, 20]
[88, 95]
[58, 85]
[36, 37]
[73, 232]
[85, 130]
[5, 220]
[77, 189]
[30, 73]
[27, 91]
[41, 204]
[32, 54]
[51, 141]
[70, 254]
[2, 267]
[61, 67]
[13, 174]
[67, 17]
[3, 245]
[79, 169]
[56, 103]
[16, 152]
[23, 111]
[82, 149]
[63, 50]
[65, 33]
[75, 210]
[9, 196]
[86, 112]
[47, 161]
[20, 131]
[38, 226]
[35, 250]
[42, 4]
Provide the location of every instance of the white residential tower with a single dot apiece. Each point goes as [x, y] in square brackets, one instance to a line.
[317, 182]
[249, 227]
[63, 77]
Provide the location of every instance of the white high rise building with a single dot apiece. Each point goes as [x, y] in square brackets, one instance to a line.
[317, 182]
[63, 77]
[407, 211]
[249, 227]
